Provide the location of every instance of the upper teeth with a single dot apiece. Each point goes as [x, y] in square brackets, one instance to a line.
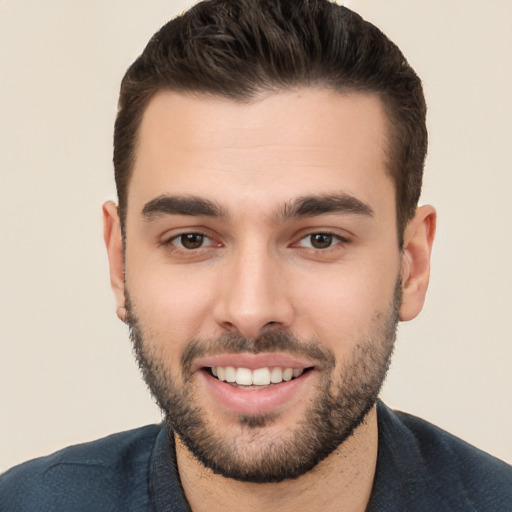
[258, 377]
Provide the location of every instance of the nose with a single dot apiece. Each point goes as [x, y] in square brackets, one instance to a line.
[254, 295]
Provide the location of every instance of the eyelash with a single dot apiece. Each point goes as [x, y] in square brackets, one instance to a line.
[334, 241]
[171, 241]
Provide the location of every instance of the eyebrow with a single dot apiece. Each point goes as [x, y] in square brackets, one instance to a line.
[311, 206]
[306, 206]
[182, 205]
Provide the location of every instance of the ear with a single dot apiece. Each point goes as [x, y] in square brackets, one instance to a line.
[418, 240]
[114, 244]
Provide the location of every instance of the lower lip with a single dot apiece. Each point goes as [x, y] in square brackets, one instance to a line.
[255, 401]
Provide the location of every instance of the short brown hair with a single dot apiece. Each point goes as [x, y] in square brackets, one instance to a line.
[239, 48]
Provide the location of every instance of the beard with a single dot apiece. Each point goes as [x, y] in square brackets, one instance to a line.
[342, 400]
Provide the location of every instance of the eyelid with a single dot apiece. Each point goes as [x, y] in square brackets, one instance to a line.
[341, 238]
[168, 241]
[205, 242]
[336, 241]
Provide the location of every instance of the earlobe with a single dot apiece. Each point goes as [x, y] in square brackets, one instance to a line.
[418, 240]
[114, 245]
[121, 313]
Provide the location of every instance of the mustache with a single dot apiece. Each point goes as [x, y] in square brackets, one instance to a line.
[271, 341]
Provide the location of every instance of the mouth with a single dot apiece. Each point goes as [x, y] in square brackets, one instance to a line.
[245, 383]
[254, 388]
[257, 378]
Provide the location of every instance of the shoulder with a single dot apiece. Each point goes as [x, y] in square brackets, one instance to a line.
[89, 476]
[435, 467]
[445, 453]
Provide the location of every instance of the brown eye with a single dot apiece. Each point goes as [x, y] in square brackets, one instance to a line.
[191, 240]
[321, 240]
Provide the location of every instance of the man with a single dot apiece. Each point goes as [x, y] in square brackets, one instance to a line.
[267, 240]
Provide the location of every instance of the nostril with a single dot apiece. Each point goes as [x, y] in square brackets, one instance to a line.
[230, 327]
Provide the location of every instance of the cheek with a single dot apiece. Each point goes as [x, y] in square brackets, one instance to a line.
[172, 302]
[342, 306]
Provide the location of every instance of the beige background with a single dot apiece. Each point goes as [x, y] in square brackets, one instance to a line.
[66, 370]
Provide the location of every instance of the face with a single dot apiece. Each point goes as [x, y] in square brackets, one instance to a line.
[262, 273]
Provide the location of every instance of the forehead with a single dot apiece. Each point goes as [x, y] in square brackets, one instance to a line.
[280, 145]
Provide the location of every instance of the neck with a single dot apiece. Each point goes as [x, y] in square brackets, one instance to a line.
[341, 481]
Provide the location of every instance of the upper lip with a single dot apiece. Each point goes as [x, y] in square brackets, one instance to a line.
[252, 361]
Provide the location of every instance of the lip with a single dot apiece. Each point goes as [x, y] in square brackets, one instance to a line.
[253, 361]
[255, 401]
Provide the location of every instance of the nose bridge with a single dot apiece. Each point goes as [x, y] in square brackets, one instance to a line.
[253, 295]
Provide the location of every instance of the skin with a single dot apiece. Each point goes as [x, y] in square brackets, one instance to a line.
[258, 269]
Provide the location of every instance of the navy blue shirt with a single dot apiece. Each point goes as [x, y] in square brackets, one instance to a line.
[420, 468]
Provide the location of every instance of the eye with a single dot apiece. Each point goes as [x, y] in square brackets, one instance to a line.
[191, 241]
[320, 241]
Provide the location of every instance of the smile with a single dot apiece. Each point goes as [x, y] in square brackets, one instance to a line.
[256, 377]
[260, 390]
